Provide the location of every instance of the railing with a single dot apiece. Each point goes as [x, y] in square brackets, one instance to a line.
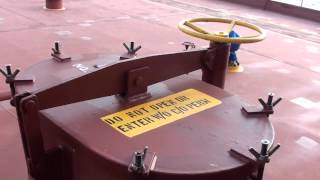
[311, 4]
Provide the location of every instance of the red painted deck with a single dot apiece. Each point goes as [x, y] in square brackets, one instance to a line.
[286, 63]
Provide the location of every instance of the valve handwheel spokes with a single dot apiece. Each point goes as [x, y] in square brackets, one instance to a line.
[189, 28]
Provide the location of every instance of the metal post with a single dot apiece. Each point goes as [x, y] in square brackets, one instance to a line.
[264, 152]
[215, 64]
[54, 5]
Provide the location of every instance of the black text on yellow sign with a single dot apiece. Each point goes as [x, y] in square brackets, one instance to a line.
[148, 116]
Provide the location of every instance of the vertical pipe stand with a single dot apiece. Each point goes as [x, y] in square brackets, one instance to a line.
[54, 5]
[215, 64]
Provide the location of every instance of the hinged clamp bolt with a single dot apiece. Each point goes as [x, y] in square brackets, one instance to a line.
[56, 49]
[132, 49]
[10, 77]
[188, 45]
[264, 156]
[267, 107]
[137, 165]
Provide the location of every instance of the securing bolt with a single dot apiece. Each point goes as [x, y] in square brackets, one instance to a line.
[8, 67]
[268, 106]
[264, 147]
[137, 164]
[270, 98]
[131, 49]
[188, 45]
[56, 53]
[138, 160]
[56, 45]
[132, 46]
[264, 156]
[56, 49]
[10, 77]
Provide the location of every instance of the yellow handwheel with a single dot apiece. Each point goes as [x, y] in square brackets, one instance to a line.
[187, 27]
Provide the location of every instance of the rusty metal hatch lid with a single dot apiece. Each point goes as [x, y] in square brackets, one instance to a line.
[198, 143]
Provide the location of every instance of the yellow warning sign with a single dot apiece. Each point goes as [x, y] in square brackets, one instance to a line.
[148, 116]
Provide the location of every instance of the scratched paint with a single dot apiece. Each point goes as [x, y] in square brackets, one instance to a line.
[63, 33]
[89, 21]
[316, 82]
[313, 49]
[307, 142]
[282, 71]
[315, 68]
[304, 102]
[284, 25]
[289, 41]
[308, 31]
[86, 38]
[85, 24]
[123, 17]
